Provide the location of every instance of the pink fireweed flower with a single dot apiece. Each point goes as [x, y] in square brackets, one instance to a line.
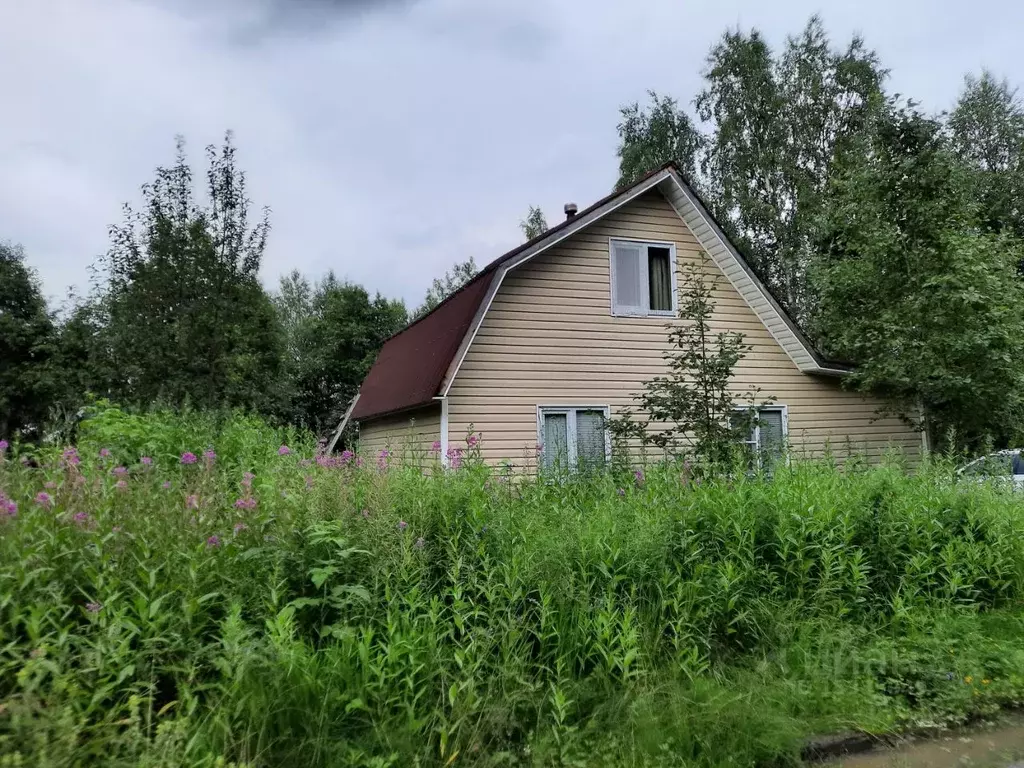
[402, 525]
[239, 527]
[120, 471]
[4, 445]
[213, 541]
[71, 458]
[436, 447]
[44, 499]
[192, 502]
[247, 479]
[347, 456]
[638, 476]
[454, 457]
[121, 485]
[247, 502]
[472, 440]
[104, 453]
[382, 459]
[284, 450]
[188, 458]
[146, 460]
[49, 485]
[81, 518]
[93, 607]
[166, 485]
[209, 455]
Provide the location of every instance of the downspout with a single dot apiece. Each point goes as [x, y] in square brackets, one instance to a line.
[444, 430]
[926, 443]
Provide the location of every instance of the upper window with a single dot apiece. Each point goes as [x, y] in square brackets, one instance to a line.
[766, 438]
[572, 438]
[643, 278]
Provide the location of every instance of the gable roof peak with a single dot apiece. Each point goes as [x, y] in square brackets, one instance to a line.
[419, 363]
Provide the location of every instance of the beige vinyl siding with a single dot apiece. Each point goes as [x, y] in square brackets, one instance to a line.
[549, 338]
[409, 436]
[720, 253]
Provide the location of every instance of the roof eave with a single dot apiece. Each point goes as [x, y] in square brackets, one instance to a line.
[396, 411]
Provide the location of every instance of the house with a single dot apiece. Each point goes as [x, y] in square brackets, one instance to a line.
[548, 340]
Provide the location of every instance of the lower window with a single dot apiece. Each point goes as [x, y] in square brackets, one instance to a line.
[765, 433]
[572, 437]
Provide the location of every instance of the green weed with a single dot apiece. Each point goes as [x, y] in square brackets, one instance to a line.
[264, 606]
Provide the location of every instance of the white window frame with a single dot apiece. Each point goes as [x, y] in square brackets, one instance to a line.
[569, 411]
[645, 278]
[756, 442]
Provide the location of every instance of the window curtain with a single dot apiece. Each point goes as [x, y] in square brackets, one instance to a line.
[772, 438]
[590, 441]
[660, 276]
[556, 443]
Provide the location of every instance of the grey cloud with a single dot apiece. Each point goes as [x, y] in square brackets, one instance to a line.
[250, 22]
[493, 28]
[389, 138]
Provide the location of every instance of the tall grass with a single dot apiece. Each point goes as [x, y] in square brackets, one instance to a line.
[330, 611]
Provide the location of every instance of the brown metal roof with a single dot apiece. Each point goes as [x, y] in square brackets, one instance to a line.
[411, 364]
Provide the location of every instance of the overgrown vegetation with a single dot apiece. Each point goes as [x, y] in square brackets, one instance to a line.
[188, 590]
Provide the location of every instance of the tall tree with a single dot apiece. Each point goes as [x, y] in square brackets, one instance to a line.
[987, 129]
[534, 225]
[774, 123]
[82, 355]
[914, 291]
[651, 137]
[188, 318]
[336, 343]
[26, 346]
[294, 304]
[442, 288]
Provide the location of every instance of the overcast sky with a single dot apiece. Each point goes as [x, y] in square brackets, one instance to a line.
[389, 138]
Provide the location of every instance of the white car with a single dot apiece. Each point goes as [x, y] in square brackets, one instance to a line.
[1007, 465]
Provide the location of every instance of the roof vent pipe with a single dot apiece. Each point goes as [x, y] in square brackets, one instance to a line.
[570, 210]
